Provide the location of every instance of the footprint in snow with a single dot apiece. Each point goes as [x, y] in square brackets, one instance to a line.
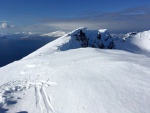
[9, 89]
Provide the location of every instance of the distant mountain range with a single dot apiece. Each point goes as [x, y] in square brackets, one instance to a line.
[82, 37]
[54, 34]
[31, 35]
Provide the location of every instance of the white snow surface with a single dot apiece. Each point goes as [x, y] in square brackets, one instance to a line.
[134, 42]
[142, 40]
[80, 80]
[55, 34]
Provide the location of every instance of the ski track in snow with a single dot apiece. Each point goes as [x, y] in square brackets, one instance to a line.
[46, 100]
[81, 92]
[38, 97]
[8, 90]
[41, 95]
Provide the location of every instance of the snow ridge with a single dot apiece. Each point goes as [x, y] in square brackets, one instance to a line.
[79, 38]
[82, 37]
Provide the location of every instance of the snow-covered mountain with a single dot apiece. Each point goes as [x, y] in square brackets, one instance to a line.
[134, 42]
[27, 33]
[62, 77]
[55, 34]
[83, 37]
[24, 36]
[80, 38]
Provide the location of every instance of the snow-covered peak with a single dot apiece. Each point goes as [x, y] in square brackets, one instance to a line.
[55, 34]
[25, 33]
[83, 37]
[77, 30]
[103, 30]
[31, 33]
[142, 40]
[79, 38]
[85, 29]
[134, 41]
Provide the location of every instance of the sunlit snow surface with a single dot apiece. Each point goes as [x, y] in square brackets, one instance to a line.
[137, 43]
[83, 80]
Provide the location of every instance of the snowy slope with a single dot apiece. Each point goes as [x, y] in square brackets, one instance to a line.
[134, 42]
[81, 37]
[55, 34]
[142, 40]
[81, 80]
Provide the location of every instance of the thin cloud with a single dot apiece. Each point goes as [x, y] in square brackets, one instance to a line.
[6, 26]
[133, 19]
[123, 21]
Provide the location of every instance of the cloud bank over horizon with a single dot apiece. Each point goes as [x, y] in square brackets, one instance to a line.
[135, 19]
[123, 21]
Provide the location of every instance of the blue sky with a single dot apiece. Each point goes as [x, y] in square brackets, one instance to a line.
[50, 15]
